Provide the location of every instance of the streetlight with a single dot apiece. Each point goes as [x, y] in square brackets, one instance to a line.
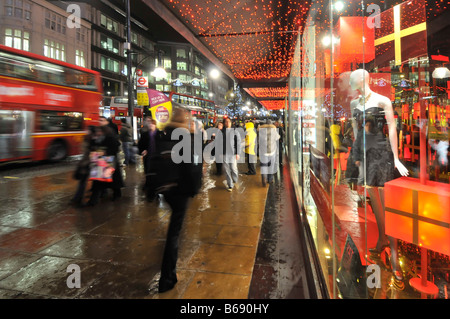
[214, 74]
[159, 71]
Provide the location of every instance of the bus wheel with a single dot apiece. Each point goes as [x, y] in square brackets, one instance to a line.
[57, 151]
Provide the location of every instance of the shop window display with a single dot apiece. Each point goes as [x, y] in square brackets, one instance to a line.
[374, 166]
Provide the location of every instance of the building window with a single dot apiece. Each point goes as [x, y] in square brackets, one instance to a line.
[79, 58]
[109, 44]
[197, 70]
[181, 53]
[167, 63]
[55, 22]
[81, 34]
[109, 24]
[17, 39]
[18, 9]
[147, 44]
[181, 66]
[109, 64]
[134, 38]
[54, 50]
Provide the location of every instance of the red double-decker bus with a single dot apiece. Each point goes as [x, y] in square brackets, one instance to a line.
[202, 109]
[46, 106]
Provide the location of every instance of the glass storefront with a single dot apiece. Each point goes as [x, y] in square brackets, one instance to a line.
[368, 123]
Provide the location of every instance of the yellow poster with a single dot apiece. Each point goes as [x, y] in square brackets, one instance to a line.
[161, 108]
[142, 98]
[162, 113]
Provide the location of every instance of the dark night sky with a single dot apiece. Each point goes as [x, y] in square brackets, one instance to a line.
[159, 29]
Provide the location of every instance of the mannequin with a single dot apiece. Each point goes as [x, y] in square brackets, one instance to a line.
[381, 157]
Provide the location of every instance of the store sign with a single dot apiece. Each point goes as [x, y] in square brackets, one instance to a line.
[380, 83]
[195, 82]
[177, 82]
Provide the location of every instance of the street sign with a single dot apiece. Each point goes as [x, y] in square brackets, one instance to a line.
[142, 98]
[139, 72]
[142, 81]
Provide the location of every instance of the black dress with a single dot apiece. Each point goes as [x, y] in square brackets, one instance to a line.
[379, 158]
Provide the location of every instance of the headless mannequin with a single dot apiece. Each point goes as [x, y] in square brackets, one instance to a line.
[359, 80]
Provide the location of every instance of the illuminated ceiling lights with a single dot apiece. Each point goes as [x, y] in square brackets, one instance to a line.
[273, 92]
[255, 38]
[273, 104]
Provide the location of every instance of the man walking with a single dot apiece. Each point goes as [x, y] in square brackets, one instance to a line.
[231, 151]
[126, 139]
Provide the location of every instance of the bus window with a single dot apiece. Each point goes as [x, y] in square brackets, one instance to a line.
[79, 79]
[54, 121]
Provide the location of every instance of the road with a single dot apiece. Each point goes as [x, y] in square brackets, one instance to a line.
[27, 170]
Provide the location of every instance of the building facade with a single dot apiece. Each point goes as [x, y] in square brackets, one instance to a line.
[40, 27]
[109, 56]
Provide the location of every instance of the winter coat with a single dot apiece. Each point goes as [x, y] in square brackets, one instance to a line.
[233, 145]
[168, 176]
[269, 136]
[250, 138]
[126, 133]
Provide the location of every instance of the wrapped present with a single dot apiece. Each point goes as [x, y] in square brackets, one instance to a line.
[419, 213]
[402, 34]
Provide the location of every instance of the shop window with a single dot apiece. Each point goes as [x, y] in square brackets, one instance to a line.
[368, 135]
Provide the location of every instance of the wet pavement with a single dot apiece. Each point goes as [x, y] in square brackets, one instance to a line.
[118, 245]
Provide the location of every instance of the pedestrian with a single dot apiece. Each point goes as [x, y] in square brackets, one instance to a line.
[231, 151]
[268, 140]
[82, 171]
[126, 138]
[217, 155]
[113, 126]
[107, 142]
[250, 147]
[146, 146]
[178, 183]
[280, 131]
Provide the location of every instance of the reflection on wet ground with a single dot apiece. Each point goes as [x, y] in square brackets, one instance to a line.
[118, 245]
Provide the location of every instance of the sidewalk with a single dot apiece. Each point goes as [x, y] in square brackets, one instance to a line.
[119, 245]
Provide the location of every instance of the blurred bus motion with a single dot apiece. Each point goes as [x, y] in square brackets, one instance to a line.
[46, 106]
[118, 109]
[201, 109]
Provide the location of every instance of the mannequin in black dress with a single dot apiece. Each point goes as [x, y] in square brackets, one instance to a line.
[381, 157]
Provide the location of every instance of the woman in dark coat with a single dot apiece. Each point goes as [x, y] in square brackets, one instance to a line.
[105, 140]
[178, 183]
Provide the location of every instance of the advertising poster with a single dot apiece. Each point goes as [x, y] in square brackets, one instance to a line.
[161, 108]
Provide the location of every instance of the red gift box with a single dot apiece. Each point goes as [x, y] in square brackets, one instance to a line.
[402, 34]
[419, 213]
